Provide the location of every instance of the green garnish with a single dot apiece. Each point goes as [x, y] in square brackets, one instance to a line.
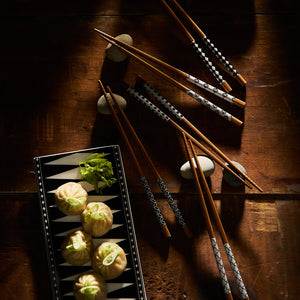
[77, 244]
[90, 291]
[97, 168]
[75, 202]
[109, 259]
[108, 248]
[94, 214]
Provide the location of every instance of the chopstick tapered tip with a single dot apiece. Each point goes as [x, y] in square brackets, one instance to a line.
[239, 103]
[226, 86]
[236, 121]
[241, 80]
[166, 231]
[228, 296]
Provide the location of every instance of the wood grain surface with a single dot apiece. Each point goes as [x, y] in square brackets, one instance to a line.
[51, 60]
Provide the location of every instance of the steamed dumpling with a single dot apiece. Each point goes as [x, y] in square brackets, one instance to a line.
[97, 219]
[70, 198]
[90, 285]
[77, 248]
[109, 259]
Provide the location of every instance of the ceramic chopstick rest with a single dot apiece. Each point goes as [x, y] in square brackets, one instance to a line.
[207, 165]
[114, 53]
[230, 179]
[103, 108]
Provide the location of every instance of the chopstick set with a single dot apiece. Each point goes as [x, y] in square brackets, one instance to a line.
[156, 110]
[229, 67]
[130, 51]
[214, 244]
[199, 51]
[207, 103]
[187, 77]
[143, 179]
[199, 134]
[117, 110]
[201, 184]
[158, 66]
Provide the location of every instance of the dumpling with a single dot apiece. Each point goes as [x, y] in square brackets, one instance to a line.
[70, 198]
[90, 285]
[77, 248]
[97, 219]
[109, 259]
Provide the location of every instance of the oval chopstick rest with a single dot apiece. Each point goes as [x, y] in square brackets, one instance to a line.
[114, 53]
[207, 165]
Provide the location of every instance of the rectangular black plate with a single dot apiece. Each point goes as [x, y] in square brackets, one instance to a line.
[54, 170]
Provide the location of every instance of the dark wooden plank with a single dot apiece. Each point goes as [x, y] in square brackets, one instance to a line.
[262, 233]
[24, 271]
[49, 93]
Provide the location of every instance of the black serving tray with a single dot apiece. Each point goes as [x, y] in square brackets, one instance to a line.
[54, 170]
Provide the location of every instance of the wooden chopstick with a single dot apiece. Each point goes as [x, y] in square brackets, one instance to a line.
[221, 112]
[208, 87]
[199, 51]
[220, 227]
[143, 180]
[167, 119]
[208, 224]
[229, 67]
[182, 118]
[159, 179]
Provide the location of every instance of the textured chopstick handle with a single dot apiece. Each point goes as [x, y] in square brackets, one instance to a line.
[236, 272]
[208, 63]
[163, 101]
[220, 57]
[148, 104]
[149, 195]
[221, 112]
[171, 202]
[211, 89]
[220, 266]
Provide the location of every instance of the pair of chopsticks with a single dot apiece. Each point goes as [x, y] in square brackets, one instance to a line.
[201, 185]
[132, 51]
[143, 179]
[231, 167]
[229, 67]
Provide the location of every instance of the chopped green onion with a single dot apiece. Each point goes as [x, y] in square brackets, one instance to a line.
[94, 214]
[75, 202]
[99, 216]
[77, 244]
[109, 259]
[108, 248]
[90, 291]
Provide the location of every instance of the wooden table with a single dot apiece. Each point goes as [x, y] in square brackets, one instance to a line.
[51, 60]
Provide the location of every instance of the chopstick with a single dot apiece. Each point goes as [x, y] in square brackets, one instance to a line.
[143, 179]
[159, 179]
[210, 88]
[221, 112]
[167, 119]
[229, 253]
[182, 118]
[199, 51]
[229, 67]
[208, 224]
